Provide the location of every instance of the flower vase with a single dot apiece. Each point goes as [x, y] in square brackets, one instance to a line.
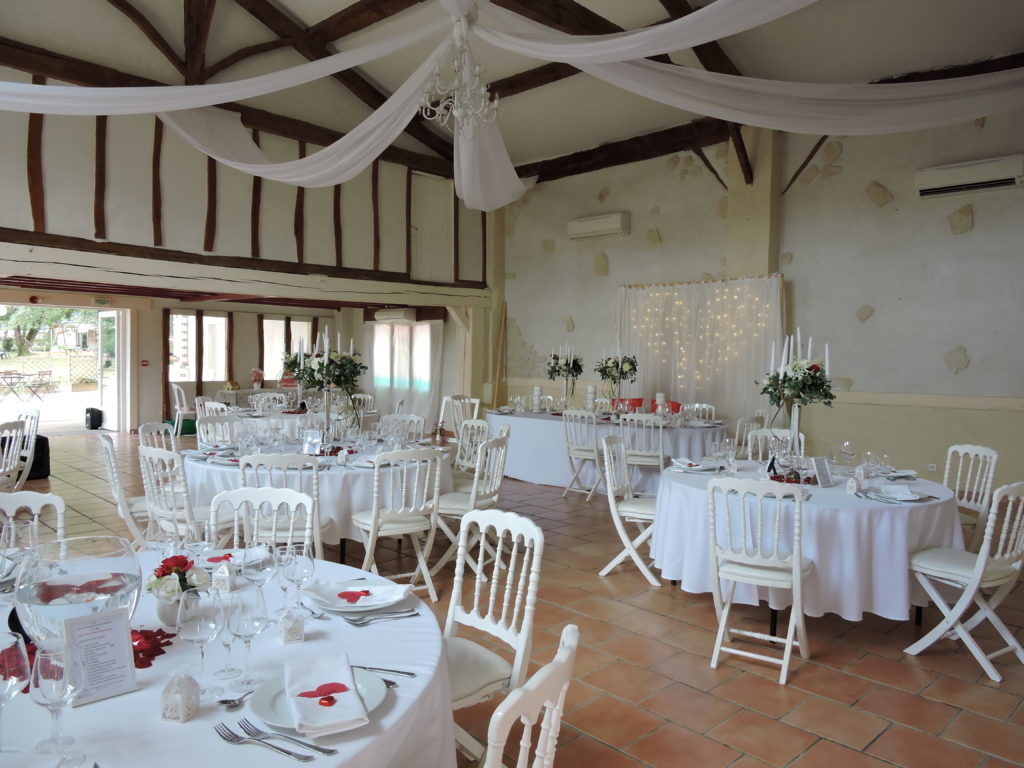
[167, 612]
[257, 385]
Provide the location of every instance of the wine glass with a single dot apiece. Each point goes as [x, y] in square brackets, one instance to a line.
[298, 568]
[259, 562]
[728, 447]
[716, 456]
[246, 617]
[870, 464]
[848, 452]
[200, 618]
[55, 681]
[14, 670]
[66, 578]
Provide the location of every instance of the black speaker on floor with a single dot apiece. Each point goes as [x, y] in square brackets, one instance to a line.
[40, 459]
[93, 418]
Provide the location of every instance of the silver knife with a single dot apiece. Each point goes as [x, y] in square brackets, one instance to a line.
[400, 672]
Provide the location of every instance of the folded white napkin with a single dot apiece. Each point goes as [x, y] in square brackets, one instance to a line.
[686, 463]
[898, 492]
[308, 680]
[900, 473]
[356, 594]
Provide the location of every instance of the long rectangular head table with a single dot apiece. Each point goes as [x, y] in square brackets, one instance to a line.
[861, 548]
[536, 449]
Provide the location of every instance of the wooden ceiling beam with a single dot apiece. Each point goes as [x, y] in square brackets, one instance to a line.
[39, 61]
[198, 18]
[282, 25]
[997, 64]
[357, 16]
[243, 53]
[146, 27]
[698, 133]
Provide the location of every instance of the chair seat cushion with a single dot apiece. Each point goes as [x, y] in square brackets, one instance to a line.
[397, 526]
[639, 508]
[755, 574]
[473, 669]
[463, 485]
[457, 502]
[957, 566]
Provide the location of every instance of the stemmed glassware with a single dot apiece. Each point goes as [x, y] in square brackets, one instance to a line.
[14, 670]
[297, 567]
[246, 618]
[16, 538]
[55, 681]
[728, 449]
[200, 619]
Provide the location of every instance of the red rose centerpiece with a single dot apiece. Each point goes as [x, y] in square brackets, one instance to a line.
[173, 577]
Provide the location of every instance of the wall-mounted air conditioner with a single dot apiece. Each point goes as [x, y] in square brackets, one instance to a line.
[599, 226]
[401, 315]
[995, 173]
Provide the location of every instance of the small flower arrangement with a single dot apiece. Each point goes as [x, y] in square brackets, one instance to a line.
[340, 370]
[176, 575]
[616, 369]
[802, 382]
[256, 375]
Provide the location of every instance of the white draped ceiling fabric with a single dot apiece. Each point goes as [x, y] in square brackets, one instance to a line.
[484, 176]
[702, 342]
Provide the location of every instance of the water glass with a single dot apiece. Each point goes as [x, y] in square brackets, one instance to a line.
[870, 464]
[246, 613]
[16, 538]
[14, 669]
[297, 568]
[55, 681]
[200, 619]
[259, 563]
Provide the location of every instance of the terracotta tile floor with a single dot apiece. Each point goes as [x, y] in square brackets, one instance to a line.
[644, 695]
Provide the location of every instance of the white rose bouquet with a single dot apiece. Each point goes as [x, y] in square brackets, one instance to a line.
[176, 575]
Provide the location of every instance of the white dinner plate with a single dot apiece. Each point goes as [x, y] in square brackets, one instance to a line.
[269, 702]
[321, 592]
[902, 500]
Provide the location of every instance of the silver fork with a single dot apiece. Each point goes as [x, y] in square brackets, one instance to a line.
[233, 738]
[373, 619]
[255, 732]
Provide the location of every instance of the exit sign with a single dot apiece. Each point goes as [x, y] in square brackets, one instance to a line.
[100, 302]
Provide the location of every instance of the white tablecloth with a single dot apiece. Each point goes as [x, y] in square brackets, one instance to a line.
[342, 491]
[860, 547]
[536, 449]
[412, 727]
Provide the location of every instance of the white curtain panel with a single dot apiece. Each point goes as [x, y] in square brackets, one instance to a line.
[713, 22]
[702, 342]
[420, 389]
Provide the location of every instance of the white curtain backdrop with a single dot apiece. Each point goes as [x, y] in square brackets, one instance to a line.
[484, 176]
[702, 342]
[422, 394]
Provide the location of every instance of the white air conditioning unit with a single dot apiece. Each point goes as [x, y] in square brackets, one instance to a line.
[995, 173]
[599, 226]
[402, 315]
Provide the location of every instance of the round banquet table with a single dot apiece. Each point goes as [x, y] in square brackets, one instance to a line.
[536, 449]
[413, 726]
[860, 548]
[343, 491]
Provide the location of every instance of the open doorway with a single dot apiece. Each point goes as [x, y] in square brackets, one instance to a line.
[62, 361]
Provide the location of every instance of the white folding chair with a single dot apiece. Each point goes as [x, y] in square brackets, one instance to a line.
[542, 697]
[363, 402]
[984, 579]
[36, 504]
[408, 425]
[502, 607]
[289, 470]
[207, 406]
[487, 477]
[969, 473]
[702, 411]
[132, 510]
[30, 419]
[12, 436]
[759, 442]
[406, 486]
[156, 434]
[181, 409]
[639, 512]
[400, 406]
[643, 438]
[461, 408]
[603, 404]
[580, 428]
[217, 430]
[200, 405]
[269, 516]
[744, 426]
[471, 435]
[171, 513]
[755, 540]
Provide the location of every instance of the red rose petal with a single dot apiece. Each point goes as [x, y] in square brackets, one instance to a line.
[353, 596]
[325, 689]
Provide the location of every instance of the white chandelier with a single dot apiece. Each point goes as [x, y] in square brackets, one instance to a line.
[462, 100]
